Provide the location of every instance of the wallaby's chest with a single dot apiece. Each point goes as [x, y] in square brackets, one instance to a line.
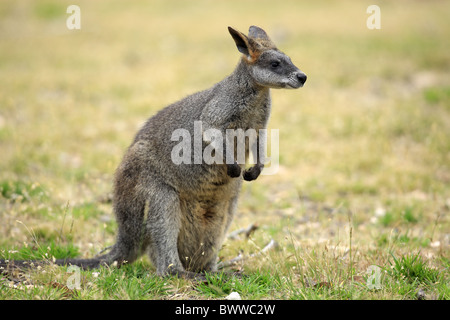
[251, 117]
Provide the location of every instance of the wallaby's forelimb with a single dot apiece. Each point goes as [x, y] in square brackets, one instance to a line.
[234, 170]
[253, 172]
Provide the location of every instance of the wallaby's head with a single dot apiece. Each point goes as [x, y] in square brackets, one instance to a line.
[268, 66]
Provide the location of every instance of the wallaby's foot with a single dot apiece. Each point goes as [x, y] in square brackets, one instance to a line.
[225, 276]
[230, 274]
[233, 170]
[187, 275]
[202, 277]
[253, 172]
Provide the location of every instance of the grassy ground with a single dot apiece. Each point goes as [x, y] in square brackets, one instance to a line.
[364, 179]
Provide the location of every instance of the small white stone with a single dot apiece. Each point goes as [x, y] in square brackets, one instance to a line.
[233, 296]
[435, 244]
[380, 212]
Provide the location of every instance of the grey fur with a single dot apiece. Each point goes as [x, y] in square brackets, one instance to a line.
[179, 214]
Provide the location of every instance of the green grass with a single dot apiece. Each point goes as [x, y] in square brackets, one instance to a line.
[364, 175]
[254, 286]
[130, 282]
[40, 251]
[21, 191]
[413, 268]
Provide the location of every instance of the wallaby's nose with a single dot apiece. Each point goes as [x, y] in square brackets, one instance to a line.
[301, 77]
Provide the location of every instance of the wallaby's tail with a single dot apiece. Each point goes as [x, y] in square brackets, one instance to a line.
[8, 266]
[85, 263]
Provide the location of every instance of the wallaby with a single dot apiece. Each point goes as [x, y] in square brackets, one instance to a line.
[179, 213]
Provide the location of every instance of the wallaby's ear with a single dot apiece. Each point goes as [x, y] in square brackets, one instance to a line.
[259, 36]
[241, 41]
[257, 33]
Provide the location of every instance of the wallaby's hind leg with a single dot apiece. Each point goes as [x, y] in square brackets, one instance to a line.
[162, 228]
[130, 219]
[129, 207]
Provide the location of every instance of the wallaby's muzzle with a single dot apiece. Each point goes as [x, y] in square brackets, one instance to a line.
[295, 80]
[301, 77]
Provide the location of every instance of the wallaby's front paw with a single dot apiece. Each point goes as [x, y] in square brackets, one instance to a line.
[233, 170]
[252, 173]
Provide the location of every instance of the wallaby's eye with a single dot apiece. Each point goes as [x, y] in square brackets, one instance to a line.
[275, 64]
